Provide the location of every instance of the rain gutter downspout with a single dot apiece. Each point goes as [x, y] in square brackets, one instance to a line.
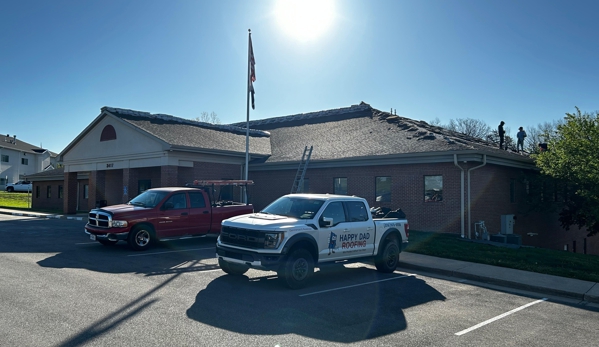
[472, 169]
[455, 161]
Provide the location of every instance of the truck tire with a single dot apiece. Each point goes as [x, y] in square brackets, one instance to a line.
[140, 238]
[388, 258]
[232, 269]
[108, 242]
[298, 269]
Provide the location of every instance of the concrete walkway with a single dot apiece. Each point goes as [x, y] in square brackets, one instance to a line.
[511, 278]
[42, 215]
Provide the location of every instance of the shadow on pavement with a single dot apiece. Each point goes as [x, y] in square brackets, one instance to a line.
[261, 306]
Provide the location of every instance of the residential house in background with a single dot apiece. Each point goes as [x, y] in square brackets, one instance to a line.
[19, 159]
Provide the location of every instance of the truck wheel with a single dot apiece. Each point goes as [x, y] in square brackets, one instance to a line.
[10, 189]
[107, 242]
[232, 269]
[298, 269]
[140, 238]
[388, 257]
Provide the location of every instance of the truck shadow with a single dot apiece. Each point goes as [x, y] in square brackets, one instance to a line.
[335, 307]
[164, 258]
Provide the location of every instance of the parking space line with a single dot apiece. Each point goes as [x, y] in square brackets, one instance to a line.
[183, 250]
[355, 285]
[498, 317]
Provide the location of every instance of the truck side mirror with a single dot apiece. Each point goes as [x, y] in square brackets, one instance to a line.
[326, 222]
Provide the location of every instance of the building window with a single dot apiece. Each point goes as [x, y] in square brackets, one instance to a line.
[37, 191]
[108, 133]
[143, 185]
[4, 158]
[48, 191]
[24, 161]
[340, 185]
[433, 188]
[60, 192]
[512, 190]
[383, 189]
[2, 181]
[85, 191]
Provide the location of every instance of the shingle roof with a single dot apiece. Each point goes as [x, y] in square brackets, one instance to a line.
[188, 133]
[360, 131]
[17, 144]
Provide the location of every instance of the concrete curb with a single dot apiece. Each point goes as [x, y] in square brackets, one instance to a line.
[511, 278]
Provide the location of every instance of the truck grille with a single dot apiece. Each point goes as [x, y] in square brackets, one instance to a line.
[99, 219]
[242, 237]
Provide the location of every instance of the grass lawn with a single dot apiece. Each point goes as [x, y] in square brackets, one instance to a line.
[15, 200]
[552, 262]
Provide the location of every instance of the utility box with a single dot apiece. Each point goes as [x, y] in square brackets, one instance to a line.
[507, 224]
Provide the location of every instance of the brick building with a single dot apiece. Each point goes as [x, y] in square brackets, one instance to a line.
[444, 181]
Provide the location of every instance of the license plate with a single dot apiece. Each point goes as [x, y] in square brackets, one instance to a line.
[92, 237]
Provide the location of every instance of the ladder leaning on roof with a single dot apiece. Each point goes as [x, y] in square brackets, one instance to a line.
[298, 182]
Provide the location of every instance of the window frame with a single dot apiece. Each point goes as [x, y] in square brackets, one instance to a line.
[438, 193]
[338, 183]
[378, 190]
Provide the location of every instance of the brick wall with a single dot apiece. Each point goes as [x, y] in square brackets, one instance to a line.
[42, 201]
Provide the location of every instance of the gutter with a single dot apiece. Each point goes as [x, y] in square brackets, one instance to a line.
[472, 169]
[455, 161]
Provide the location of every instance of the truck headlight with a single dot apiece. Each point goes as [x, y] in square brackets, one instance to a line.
[273, 240]
[119, 224]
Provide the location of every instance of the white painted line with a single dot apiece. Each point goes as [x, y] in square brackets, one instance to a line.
[355, 285]
[498, 317]
[183, 250]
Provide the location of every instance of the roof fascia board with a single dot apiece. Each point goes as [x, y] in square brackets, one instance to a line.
[215, 151]
[402, 159]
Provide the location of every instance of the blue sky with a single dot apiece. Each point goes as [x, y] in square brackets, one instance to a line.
[524, 62]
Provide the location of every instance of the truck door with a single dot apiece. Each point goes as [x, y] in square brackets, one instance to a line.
[362, 226]
[173, 216]
[199, 213]
[329, 240]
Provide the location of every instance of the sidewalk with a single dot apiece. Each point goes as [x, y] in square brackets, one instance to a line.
[512, 278]
[42, 215]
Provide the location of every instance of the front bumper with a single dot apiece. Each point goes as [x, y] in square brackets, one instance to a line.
[108, 236]
[253, 259]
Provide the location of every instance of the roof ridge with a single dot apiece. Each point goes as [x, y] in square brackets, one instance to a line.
[302, 116]
[170, 118]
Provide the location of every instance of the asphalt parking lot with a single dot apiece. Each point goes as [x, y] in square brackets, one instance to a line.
[62, 289]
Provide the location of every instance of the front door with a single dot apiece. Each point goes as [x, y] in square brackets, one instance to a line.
[199, 213]
[330, 237]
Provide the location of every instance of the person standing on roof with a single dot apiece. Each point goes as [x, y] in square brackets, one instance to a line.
[521, 135]
[501, 133]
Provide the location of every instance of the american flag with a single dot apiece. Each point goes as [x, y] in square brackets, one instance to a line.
[252, 62]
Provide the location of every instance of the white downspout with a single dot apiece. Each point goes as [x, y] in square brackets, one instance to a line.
[455, 161]
[472, 169]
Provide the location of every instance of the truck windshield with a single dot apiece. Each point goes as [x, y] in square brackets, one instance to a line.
[300, 208]
[149, 198]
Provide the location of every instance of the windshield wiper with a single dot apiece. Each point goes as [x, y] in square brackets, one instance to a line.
[138, 204]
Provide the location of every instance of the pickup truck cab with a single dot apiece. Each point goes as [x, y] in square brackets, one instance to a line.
[161, 214]
[299, 232]
[20, 186]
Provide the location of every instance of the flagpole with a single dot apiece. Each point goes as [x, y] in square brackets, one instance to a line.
[247, 124]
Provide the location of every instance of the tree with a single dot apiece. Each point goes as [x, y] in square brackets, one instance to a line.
[542, 133]
[206, 117]
[469, 126]
[572, 156]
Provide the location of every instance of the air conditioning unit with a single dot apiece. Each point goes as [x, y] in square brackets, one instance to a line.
[507, 223]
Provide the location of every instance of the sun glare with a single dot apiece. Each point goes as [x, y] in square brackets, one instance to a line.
[305, 20]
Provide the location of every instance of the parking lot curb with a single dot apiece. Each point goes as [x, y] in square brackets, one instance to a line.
[41, 215]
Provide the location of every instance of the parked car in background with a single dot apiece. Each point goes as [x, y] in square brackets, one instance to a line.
[20, 186]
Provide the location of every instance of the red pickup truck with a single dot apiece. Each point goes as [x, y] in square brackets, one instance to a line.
[162, 214]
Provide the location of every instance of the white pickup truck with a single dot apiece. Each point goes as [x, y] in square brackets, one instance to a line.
[298, 232]
[20, 186]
